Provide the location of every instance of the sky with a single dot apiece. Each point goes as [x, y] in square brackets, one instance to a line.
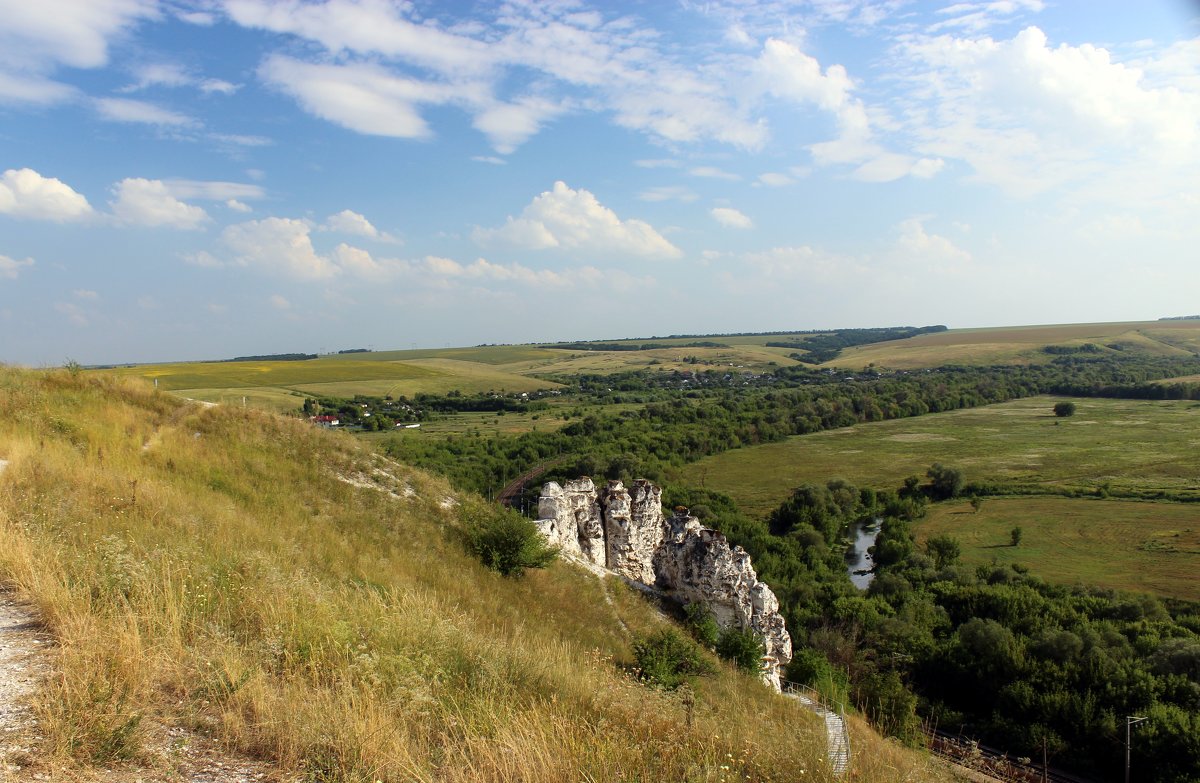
[202, 179]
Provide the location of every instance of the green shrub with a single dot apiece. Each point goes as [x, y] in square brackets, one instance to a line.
[1064, 409]
[743, 648]
[667, 659]
[702, 624]
[505, 541]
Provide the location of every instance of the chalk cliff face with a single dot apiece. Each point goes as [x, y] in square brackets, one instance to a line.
[625, 531]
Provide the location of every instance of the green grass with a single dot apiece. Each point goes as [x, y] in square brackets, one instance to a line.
[1124, 545]
[1125, 445]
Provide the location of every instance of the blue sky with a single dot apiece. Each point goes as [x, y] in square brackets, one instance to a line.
[185, 180]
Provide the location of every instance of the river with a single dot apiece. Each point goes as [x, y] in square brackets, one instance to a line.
[858, 561]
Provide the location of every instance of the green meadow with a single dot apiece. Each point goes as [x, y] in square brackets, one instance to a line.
[1123, 446]
[1120, 544]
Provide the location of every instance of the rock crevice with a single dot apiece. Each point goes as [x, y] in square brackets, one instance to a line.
[625, 531]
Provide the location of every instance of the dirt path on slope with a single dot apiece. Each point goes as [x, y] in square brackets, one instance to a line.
[172, 754]
[22, 665]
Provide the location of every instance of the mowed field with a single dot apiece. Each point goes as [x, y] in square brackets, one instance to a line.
[282, 385]
[1125, 545]
[1124, 445]
[1022, 344]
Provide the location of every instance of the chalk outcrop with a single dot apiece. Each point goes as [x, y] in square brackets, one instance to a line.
[625, 531]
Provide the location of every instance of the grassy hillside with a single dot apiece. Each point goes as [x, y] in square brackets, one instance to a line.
[307, 602]
[1023, 344]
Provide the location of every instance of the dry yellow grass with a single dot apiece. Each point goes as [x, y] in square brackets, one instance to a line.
[209, 568]
[1021, 344]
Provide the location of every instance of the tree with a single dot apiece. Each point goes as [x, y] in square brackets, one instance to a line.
[944, 482]
[505, 541]
[1064, 409]
[976, 503]
[1015, 535]
[944, 549]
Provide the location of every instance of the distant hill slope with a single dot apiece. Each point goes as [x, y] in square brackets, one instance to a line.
[1024, 344]
[307, 602]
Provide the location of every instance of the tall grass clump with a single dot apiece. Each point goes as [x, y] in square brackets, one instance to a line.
[305, 601]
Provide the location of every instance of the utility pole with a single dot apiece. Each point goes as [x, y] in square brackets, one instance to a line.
[1130, 722]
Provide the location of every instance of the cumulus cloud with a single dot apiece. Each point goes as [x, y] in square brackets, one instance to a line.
[787, 72]
[149, 202]
[277, 246]
[350, 222]
[933, 249]
[728, 216]
[24, 193]
[1028, 116]
[238, 206]
[11, 267]
[575, 220]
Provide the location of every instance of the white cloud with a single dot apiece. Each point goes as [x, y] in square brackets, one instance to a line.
[149, 202]
[775, 180]
[277, 246]
[509, 125]
[976, 17]
[159, 75]
[570, 219]
[11, 267]
[933, 249]
[658, 163]
[36, 38]
[728, 216]
[1028, 116]
[241, 140]
[77, 35]
[712, 172]
[367, 82]
[365, 98]
[238, 206]
[365, 27]
[203, 259]
[33, 89]
[350, 222]
[668, 193]
[130, 110]
[25, 193]
[84, 293]
[489, 159]
[220, 86]
[74, 314]
[279, 303]
[212, 190]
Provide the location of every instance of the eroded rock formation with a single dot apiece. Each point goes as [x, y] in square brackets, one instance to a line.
[624, 530]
